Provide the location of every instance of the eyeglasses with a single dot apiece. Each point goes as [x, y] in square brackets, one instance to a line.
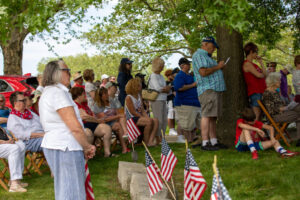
[66, 69]
[21, 100]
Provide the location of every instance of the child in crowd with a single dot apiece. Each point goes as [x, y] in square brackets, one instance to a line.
[248, 133]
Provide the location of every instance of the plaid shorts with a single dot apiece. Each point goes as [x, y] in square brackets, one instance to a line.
[240, 146]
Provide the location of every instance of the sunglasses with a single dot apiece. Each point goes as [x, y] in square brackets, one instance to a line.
[21, 100]
[66, 69]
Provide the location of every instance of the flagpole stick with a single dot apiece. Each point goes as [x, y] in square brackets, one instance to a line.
[132, 145]
[217, 176]
[165, 182]
[186, 147]
[172, 182]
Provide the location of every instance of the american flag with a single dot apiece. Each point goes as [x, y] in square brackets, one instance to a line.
[168, 160]
[215, 191]
[133, 130]
[154, 181]
[88, 185]
[194, 183]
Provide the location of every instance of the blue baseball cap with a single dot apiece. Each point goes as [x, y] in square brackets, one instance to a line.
[126, 61]
[211, 40]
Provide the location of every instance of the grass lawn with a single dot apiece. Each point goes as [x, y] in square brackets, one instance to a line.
[270, 177]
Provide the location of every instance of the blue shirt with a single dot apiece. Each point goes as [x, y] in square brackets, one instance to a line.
[214, 81]
[188, 97]
[4, 113]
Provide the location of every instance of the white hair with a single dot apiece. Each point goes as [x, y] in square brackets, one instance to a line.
[273, 78]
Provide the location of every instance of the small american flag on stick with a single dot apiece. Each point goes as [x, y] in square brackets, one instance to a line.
[133, 130]
[88, 185]
[154, 181]
[168, 160]
[194, 183]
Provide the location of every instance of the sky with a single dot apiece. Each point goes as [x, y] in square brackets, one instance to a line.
[34, 51]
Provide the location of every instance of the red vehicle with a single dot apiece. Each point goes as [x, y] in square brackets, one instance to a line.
[12, 83]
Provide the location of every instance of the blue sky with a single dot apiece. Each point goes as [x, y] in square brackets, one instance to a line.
[34, 51]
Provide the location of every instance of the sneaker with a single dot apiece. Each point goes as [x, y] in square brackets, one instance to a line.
[287, 155]
[209, 147]
[17, 188]
[180, 139]
[172, 132]
[254, 155]
[294, 152]
[21, 184]
[298, 143]
[220, 146]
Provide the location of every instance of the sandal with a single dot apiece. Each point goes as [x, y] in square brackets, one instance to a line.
[127, 151]
[111, 155]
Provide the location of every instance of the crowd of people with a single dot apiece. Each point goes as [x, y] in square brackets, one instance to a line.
[64, 119]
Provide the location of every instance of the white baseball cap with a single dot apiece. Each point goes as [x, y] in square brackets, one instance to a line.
[104, 76]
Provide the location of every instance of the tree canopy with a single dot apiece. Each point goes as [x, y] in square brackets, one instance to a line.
[148, 28]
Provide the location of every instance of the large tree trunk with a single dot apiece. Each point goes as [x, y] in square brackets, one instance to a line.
[235, 97]
[13, 52]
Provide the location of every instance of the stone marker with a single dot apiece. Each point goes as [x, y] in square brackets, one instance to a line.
[125, 171]
[171, 138]
[139, 189]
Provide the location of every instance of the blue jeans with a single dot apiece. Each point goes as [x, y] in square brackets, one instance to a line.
[69, 173]
[253, 99]
[34, 145]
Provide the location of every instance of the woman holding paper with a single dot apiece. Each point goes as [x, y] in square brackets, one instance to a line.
[254, 77]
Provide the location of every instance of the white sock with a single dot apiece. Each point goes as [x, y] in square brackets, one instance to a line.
[280, 150]
[251, 146]
[213, 141]
[204, 142]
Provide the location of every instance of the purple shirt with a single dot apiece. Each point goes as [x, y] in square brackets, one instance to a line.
[283, 85]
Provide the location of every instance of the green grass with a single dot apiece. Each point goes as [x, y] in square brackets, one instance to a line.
[270, 177]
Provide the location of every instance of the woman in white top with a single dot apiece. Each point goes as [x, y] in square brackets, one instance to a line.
[159, 106]
[65, 142]
[90, 88]
[134, 109]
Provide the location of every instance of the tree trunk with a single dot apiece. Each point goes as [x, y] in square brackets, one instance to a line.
[235, 97]
[13, 52]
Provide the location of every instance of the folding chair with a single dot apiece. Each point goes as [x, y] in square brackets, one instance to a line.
[280, 130]
[3, 178]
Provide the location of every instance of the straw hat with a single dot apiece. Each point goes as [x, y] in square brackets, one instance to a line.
[77, 75]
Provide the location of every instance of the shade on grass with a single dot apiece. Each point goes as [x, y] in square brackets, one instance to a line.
[270, 177]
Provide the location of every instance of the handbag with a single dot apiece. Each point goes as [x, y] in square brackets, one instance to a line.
[3, 135]
[149, 94]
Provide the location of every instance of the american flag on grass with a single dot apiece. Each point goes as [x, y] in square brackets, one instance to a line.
[194, 183]
[154, 181]
[133, 130]
[216, 194]
[88, 185]
[168, 160]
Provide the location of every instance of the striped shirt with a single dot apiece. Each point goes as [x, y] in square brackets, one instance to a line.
[213, 81]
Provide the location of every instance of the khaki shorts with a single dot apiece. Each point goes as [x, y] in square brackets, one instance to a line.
[211, 103]
[188, 117]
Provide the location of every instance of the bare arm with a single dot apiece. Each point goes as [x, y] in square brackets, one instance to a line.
[208, 71]
[88, 118]
[248, 67]
[110, 118]
[68, 115]
[37, 135]
[271, 129]
[186, 87]
[3, 120]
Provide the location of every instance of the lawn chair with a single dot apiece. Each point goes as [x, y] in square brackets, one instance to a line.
[3, 178]
[280, 130]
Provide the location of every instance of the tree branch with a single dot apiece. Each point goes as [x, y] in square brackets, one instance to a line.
[165, 51]
[151, 8]
[283, 51]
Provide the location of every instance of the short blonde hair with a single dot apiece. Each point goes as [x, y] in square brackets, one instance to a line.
[157, 63]
[132, 86]
[273, 78]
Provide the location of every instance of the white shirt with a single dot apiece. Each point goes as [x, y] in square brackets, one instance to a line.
[22, 128]
[57, 134]
[157, 82]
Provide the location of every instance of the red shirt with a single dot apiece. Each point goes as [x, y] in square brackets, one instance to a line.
[85, 107]
[77, 85]
[238, 130]
[254, 84]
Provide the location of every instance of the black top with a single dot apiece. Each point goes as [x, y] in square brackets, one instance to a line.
[123, 79]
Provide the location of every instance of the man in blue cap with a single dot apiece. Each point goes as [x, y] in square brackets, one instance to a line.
[210, 85]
